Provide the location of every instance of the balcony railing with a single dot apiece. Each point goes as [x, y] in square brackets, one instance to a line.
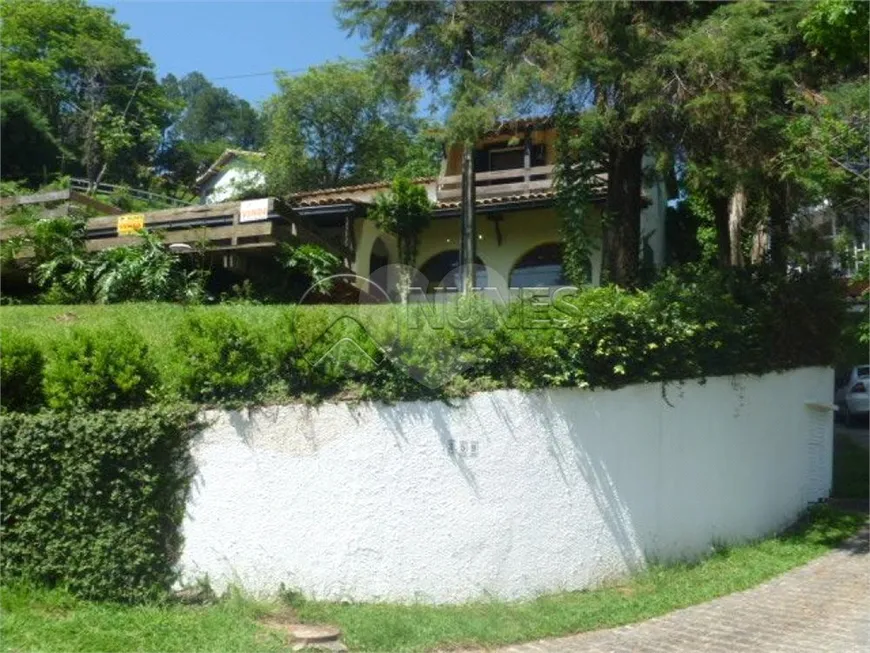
[516, 181]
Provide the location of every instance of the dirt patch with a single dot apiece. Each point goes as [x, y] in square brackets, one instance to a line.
[66, 318]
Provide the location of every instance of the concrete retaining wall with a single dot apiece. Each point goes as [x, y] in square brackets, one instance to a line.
[507, 494]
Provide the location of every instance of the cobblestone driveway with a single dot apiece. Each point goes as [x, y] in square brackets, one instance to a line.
[823, 607]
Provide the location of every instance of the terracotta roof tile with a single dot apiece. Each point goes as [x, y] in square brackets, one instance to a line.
[500, 199]
[332, 199]
[369, 186]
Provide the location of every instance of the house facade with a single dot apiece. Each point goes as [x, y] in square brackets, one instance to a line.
[518, 227]
[233, 173]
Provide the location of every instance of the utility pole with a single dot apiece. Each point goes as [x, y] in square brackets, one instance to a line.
[468, 237]
[468, 240]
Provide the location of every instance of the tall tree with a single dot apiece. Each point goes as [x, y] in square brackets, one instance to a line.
[598, 66]
[211, 113]
[338, 124]
[93, 83]
[206, 120]
[465, 51]
[28, 149]
[746, 87]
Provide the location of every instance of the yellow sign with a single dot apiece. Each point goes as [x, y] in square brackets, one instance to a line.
[130, 224]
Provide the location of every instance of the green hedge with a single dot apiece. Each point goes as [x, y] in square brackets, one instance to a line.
[93, 501]
[94, 370]
[21, 372]
[689, 324]
[220, 359]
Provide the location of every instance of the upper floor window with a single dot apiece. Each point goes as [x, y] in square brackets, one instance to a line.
[502, 156]
[506, 159]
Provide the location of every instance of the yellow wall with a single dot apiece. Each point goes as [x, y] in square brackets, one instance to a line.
[521, 231]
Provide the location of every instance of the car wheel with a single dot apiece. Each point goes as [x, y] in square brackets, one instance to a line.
[847, 415]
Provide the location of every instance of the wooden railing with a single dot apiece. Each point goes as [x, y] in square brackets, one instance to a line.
[516, 181]
[84, 186]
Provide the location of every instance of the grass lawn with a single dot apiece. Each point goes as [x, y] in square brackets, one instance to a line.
[851, 469]
[40, 620]
[53, 621]
[159, 323]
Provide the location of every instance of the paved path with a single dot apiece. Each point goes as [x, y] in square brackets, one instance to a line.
[822, 607]
[858, 434]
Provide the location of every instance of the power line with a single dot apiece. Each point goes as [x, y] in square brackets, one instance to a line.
[156, 82]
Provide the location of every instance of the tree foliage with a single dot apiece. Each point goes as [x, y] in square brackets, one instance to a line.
[767, 116]
[404, 212]
[206, 120]
[211, 113]
[465, 51]
[28, 149]
[338, 124]
[596, 68]
[94, 85]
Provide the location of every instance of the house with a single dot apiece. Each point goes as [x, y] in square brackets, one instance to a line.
[517, 234]
[518, 226]
[235, 173]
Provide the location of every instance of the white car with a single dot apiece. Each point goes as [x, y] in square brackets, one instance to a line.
[852, 394]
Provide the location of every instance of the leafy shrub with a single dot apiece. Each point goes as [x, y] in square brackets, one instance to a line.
[221, 359]
[692, 323]
[98, 369]
[21, 370]
[147, 271]
[93, 501]
[312, 260]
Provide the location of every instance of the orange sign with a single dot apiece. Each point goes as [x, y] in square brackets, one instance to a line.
[130, 224]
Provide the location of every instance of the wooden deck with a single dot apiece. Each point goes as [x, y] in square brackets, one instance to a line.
[212, 227]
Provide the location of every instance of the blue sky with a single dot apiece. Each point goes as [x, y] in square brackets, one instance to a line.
[222, 39]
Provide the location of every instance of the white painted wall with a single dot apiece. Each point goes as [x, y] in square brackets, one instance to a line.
[566, 488]
[235, 178]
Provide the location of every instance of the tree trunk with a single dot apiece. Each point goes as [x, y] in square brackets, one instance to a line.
[624, 204]
[736, 214]
[468, 228]
[760, 243]
[779, 239]
[404, 283]
[720, 222]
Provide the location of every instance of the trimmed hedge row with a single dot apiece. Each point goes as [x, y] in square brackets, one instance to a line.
[687, 325]
[94, 500]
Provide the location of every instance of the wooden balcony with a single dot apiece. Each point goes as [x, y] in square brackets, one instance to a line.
[213, 227]
[516, 181]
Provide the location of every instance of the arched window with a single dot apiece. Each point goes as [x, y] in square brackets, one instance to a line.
[441, 271]
[378, 260]
[540, 268]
